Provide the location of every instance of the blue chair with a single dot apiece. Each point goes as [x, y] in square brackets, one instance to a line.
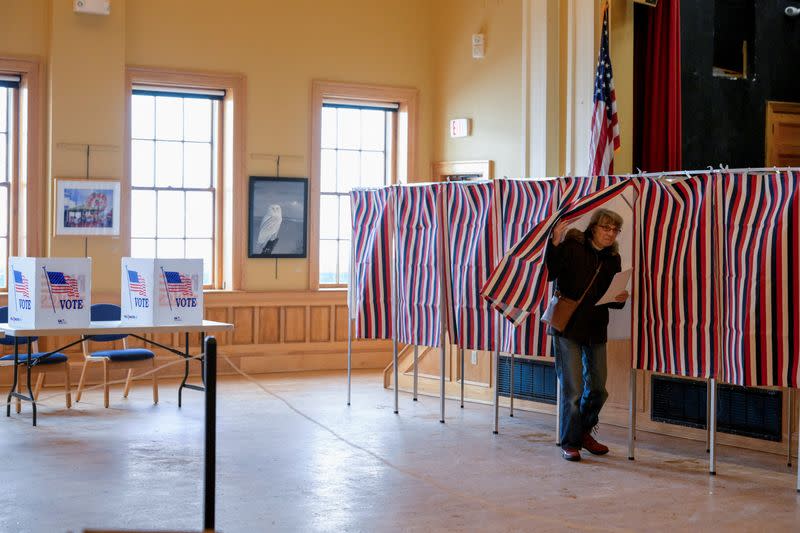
[57, 362]
[129, 358]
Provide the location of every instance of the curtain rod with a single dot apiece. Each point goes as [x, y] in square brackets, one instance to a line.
[709, 170]
[670, 173]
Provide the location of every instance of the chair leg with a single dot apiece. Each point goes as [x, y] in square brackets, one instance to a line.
[67, 385]
[19, 402]
[155, 383]
[38, 387]
[81, 381]
[105, 383]
[127, 383]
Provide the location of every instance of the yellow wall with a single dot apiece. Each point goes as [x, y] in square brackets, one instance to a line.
[486, 90]
[24, 27]
[489, 90]
[280, 47]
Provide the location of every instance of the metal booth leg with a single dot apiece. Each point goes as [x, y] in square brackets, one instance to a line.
[558, 411]
[416, 370]
[462, 377]
[708, 417]
[712, 422]
[798, 447]
[497, 389]
[349, 353]
[789, 430]
[632, 415]
[511, 388]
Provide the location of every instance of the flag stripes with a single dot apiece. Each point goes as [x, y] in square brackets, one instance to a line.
[759, 227]
[369, 291]
[469, 257]
[673, 283]
[416, 235]
[61, 283]
[21, 284]
[136, 283]
[604, 133]
[178, 283]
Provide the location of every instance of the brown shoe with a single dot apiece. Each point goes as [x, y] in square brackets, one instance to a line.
[592, 446]
[570, 454]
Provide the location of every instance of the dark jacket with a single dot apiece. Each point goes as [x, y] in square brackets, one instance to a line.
[572, 264]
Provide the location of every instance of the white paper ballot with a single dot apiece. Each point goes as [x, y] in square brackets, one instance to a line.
[618, 284]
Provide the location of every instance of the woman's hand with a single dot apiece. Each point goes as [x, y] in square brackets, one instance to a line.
[559, 231]
[621, 297]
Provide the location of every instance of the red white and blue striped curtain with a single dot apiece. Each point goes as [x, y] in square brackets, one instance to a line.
[519, 286]
[571, 189]
[418, 257]
[370, 290]
[759, 248]
[674, 306]
[519, 206]
[469, 255]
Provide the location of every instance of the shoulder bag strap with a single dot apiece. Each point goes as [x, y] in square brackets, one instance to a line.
[596, 272]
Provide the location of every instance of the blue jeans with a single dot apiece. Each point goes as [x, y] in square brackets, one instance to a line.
[582, 372]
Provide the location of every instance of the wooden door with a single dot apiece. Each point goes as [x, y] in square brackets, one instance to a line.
[783, 134]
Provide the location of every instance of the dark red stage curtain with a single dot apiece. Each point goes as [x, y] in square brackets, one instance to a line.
[657, 87]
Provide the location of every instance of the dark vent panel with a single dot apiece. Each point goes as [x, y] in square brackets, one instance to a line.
[746, 411]
[533, 380]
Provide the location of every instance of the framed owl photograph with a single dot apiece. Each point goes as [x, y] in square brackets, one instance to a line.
[277, 217]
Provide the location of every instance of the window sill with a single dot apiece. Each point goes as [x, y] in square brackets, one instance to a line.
[331, 289]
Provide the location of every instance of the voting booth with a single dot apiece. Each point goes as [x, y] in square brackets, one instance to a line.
[49, 292]
[162, 292]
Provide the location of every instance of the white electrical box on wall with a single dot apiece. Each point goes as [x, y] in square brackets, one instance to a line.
[92, 7]
[478, 45]
[460, 127]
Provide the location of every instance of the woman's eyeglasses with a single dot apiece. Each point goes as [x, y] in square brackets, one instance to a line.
[611, 229]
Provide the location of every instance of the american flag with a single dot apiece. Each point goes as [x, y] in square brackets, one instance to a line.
[136, 283]
[178, 283]
[21, 284]
[604, 137]
[63, 284]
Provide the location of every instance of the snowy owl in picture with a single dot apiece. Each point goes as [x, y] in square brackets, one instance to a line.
[269, 228]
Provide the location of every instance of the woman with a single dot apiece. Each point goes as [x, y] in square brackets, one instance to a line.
[573, 258]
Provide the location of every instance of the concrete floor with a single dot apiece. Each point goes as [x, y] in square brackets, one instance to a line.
[307, 462]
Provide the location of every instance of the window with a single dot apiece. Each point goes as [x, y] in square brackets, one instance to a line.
[175, 154]
[734, 31]
[356, 148]
[361, 136]
[8, 137]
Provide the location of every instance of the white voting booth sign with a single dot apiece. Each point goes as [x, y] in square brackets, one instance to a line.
[49, 292]
[161, 292]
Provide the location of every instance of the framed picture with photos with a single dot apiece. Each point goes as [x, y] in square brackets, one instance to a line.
[87, 207]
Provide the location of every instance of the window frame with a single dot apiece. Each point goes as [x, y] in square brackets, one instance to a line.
[231, 190]
[26, 188]
[215, 179]
[390, 167]
[405, 153]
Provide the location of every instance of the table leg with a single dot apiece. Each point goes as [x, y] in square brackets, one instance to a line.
[28, 380]
[15, 378]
